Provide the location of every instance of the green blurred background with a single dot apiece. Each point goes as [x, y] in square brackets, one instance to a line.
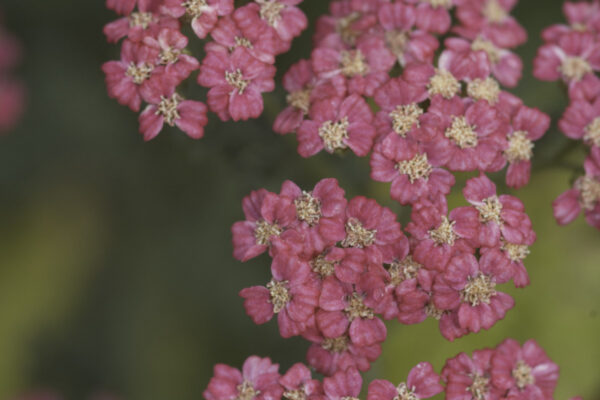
[116, 267]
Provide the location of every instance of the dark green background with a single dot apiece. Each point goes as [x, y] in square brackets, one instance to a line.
[115, 258]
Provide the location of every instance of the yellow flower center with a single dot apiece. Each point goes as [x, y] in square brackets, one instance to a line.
[403, 270]
[336, 345]
[357, 235]
[461, 133]
[168, 108]
[139, 73]
[308, 208]
[574, 68]
[270, 11]
[140, 19]
[592, 132]
[479, 290]
[246, 391]
[334, 134]
[479, 387]
[416, 168]
[494, 12]
[353, 63]
[491, 50]
[236, 80]
[520, 148]
[280, 295]
[444, 84]
[589, 191]
[490, 210]
[263, 232]
[522, 375]
[195, 8]
[357, 309]
[444, 234]
[404, 117]
[484, 89]
[300, 99]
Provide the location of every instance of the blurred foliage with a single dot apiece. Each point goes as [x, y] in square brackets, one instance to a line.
[116, 268]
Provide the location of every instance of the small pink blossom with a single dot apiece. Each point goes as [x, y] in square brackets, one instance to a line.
[170, 45]
[470, 377]
[343, 385]
[236, 81]
[434, 18]
[422, 382]
[298, 380]
[203, 13]
[330, 355]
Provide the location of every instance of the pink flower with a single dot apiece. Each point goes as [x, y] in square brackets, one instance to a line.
[572, 57]
[258, 380]
[583, 16]
[365, 68]
[585, 195]
[403, 42]
[469, 285]
[137, 25]
[526, 372]
[501, 217]
[321, 211]
[581, 121]
[337, 124]
[281, 17]
[344, 310]
[341, 29]
[330, 355]
[469, 136]
[236, 81]
[343, 385]
[292, 294]
[304, 88]
[433, 16]
[438, 237]
[400, 112]
[470, 377]
[267, 217]
[172, 109]
[436, 81]
[203, 13]
[490, 18]
[259, 43]
[406, 165]
[170, 45]
[374, 228]
[298, 381]
[422, 383]
[135, 76]
[122, 7]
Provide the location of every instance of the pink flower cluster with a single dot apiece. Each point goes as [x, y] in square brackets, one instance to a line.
[372, 85]
[510, 371]
[12, 92]
[571, 53]
[339, 268]
[237, 66]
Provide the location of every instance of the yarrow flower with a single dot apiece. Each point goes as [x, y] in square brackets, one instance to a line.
[571, 53]
[240, 49]
[509, 371]
[12, 91]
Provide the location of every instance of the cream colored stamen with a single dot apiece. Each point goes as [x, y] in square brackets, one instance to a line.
[280, 295]
[522, 375]
[357, 235]
[357, 309]
[322, 266]
[139, 73]
[416, 168]
[484, 89]
[353, 63]
[195, 8]
[396, 42]
[404, 117]
[592, 132]
[246, 391]
[140, 19]
[461, 133]
[270, 11]
[479, 387]
[343, 28]
[444, 234]
[169, 55]
[516, 252]
[433, 312]
[308, 208]
[479, 290]
[243, 42]
[168, 108]
[336, 345]
[263, 232]
[404, 393]
[491, 50]
[300, 99]
[589, 192]
[574, 68]
[520, 148]
[490, 210]
[444, 84]
[494, 12]
[403, 270]
[438, 3]
[334, 134]
[298, 394]
[236, 80]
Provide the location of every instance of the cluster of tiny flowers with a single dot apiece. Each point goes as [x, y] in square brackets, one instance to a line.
[238, 64]
[372, 85]
[571, 53]
[12, 93]
[339, 268]
[510, 371]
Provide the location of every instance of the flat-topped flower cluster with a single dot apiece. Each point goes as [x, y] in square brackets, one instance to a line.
[375, 84]
[12, 91]
[339, 268]
[571, 54]
[237, 64]
[510, 371]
